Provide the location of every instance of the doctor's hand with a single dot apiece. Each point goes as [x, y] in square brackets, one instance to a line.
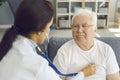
[89, 70]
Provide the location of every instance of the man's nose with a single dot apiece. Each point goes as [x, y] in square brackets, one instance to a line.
[80, 29]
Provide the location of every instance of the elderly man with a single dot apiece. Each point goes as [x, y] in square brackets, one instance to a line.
[84, 50]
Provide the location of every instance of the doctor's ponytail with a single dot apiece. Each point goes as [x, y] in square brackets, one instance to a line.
[7, 41]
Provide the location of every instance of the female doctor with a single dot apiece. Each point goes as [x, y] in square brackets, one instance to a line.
[18, 57]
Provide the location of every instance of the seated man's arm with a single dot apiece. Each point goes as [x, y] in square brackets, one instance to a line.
[112, 67]
[115, 76]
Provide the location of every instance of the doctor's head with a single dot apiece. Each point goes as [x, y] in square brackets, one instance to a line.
[33, 19]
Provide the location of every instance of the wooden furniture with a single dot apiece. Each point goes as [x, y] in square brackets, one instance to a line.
[66, 8]
[117, 14]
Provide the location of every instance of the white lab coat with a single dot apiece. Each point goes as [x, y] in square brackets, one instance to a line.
[23, 63]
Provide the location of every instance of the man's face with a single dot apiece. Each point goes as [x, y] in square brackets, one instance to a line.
[83, 29]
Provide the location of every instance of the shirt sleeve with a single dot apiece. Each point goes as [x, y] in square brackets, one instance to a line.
[111, 62]
[62, 66]
[60, 61]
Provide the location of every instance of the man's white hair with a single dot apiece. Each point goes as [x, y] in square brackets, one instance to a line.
[84, 12]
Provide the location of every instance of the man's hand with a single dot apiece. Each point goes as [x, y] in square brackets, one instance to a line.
[89, 70]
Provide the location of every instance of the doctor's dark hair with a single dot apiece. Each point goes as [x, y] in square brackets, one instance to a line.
[31, 16]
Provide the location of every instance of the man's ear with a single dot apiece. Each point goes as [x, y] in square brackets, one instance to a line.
[96, 29]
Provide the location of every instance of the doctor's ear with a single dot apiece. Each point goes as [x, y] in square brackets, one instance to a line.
[39, 33]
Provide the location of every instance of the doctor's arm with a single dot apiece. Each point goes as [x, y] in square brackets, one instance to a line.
[87, 71]
[115, 76]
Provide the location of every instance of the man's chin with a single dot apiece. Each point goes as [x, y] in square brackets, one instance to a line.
[80, 36]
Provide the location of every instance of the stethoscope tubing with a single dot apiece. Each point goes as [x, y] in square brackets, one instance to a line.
[45, 55]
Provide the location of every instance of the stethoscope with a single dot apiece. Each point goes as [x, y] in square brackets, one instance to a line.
[45, 55]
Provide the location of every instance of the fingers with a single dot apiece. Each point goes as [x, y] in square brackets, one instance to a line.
[89, 70]
[93, 68]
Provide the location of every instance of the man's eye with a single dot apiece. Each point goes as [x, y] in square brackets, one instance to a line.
[76, 26]
[85, 26]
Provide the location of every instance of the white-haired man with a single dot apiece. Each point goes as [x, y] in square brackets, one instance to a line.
[84, 50]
